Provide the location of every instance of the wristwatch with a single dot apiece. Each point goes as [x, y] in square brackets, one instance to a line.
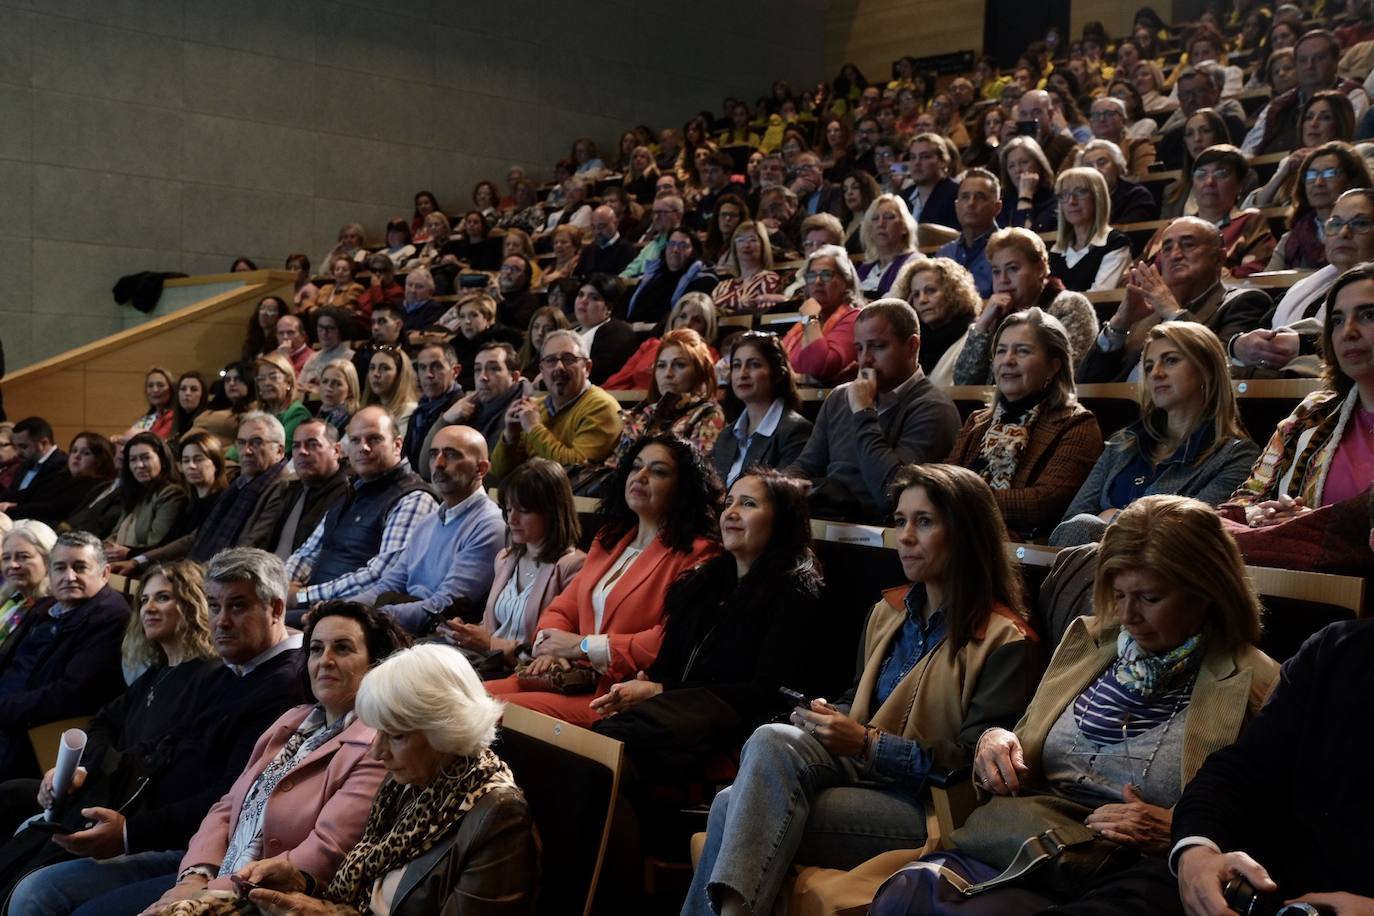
[585, 645]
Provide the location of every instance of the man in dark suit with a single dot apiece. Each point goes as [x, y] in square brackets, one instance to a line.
[43, 489]
[608, 253]
[62, 660]
[422, 311]
[814, 193]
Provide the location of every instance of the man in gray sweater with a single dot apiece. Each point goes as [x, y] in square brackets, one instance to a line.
[889, 416]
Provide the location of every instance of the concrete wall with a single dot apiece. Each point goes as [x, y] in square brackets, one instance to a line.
[177, 134]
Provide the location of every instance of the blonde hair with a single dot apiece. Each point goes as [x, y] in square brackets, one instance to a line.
[1078, 177]
[282, 365]
[480, 301]
[187, 585]
[1200, 346]
[956, 284]
[349, 372]
[866, 227]
[399, 399]
[432, 690]
[1175, 537]
[765, 246]
[1030, 245]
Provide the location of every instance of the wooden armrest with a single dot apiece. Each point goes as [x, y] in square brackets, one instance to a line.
[954, 798]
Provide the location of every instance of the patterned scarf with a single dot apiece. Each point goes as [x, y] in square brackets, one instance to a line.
[12, 615]
[404, 825]
[304, 741]
[1004, 442]
[1148, 675]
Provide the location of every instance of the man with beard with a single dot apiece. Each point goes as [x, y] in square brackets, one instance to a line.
[388, 320]
[447, 566]
[437, 370]
[517, 304]
[576, 423]
[680, 272]
[496, 385]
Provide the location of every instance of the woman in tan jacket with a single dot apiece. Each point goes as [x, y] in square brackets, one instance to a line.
[944, 658]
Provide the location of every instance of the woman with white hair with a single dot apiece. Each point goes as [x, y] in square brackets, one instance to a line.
[449, 831]
[1130, 202]
[1089, 254]
[821, 345]
[889, 238]
[24, 564]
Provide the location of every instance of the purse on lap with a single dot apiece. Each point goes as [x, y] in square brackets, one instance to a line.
[572, 681]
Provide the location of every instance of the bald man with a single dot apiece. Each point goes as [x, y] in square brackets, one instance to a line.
[446, 568]
[608, 253]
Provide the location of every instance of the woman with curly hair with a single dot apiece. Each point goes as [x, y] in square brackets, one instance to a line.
[946, 301]
[658, 521]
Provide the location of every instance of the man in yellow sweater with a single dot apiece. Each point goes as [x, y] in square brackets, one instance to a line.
[575, 423]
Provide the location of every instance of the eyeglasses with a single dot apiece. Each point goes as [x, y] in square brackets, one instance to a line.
[254, 443]
[1328, 173]
[567, 360]
[679, 246]
[824, 276]
[1105, 115]
[1201, 175]
[1358, 226]
[1069, 194]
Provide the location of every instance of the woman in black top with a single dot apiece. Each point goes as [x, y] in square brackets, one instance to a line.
[736, 628]
[1089, 254]
[1028, 200]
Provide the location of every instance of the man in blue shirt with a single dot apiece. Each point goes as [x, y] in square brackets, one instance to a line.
[978, 203]
[447, 565]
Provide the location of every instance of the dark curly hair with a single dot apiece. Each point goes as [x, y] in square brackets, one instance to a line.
[696, 501]
[382, 634]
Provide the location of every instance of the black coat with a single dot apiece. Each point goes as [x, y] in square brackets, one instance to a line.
[775, 451]
[1132, 203]
[609, 260]
[939, 209]
[614, 343]
[50, 497]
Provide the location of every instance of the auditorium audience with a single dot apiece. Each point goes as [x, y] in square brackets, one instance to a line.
[444, 569]
[449, 830]
[1311, 183]
[567, 247]
[232, 396]
[1088, 254]
[1199, 89]
[319, 482]
[399, 246]
[1110, 122]
[1167, 661]
[1021, 279]
[658, 520]
[608, 340]
[943, 659]
[151, 495]
[43, 488]
[889, 239]
[390, 385]
[277, 391]
[1035, 444]
[344, 291]
[62, 657]
[497, 384]
[1189, 440]
[821, 345]
[383, 507]
[1320, 454]
[317, 752]
[859, 191]
[891, 415]
[754, 284]
[1028, 200]
[539, 561]
[731, 210]
[946, 304]
[1276, 129]
[1288, 337]
[1187, 286]
[473, 321]
[421, 310]
[473, 245]
[339, 394]
[437, 229]
[193, 397]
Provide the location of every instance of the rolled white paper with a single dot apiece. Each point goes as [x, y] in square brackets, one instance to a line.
[69, 751]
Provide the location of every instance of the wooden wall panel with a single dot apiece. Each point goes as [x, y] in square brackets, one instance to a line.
[99, 386]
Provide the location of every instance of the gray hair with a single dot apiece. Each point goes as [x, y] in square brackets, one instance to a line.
[83, 539]
[272, 423]
[423, 273]
[579, 347]
[674, 201]
[1210, 69]
[702, 303]
[846, 266]
[38, 534]
[1108, 147]
[1053, 337]
[866, 227]
[978, 171]
[1116, 103]
[264, 570]
[432, 690]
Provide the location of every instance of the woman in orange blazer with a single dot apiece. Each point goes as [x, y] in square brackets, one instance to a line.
[307, 790]
[658, 522]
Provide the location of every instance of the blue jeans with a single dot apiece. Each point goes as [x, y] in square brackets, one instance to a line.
[59, 889]
[795, 801]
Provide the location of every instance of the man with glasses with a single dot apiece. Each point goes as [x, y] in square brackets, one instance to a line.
[1276, 127]
[1185, 287]
[575, 423]
[977, 205]
[247, 513]
[931, 193]
[1108, 117]
[814, 193]
[866, 134]
[666, 216]
[608, 253]
[679, 272]
[1286, 342]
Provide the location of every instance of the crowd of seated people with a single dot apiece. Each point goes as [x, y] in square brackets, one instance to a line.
[722, 332]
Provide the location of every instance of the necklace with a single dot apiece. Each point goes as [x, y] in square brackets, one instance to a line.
[152, 691]
[1095, 751]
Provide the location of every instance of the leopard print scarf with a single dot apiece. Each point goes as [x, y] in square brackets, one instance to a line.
[404, 825]
[1003, 444]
